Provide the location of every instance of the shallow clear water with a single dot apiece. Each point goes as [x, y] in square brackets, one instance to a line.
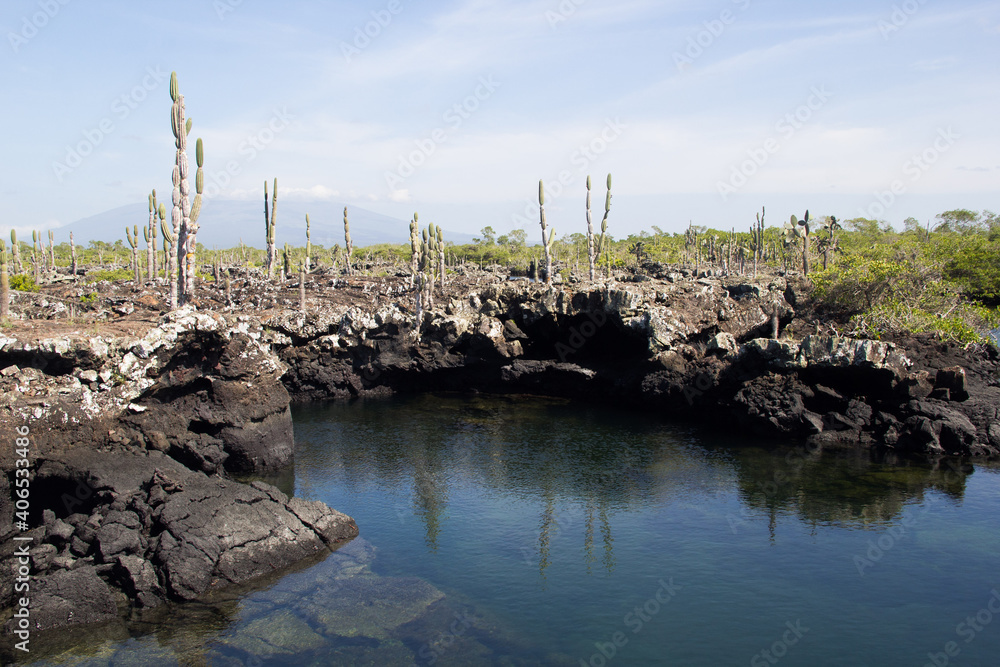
[532, 531]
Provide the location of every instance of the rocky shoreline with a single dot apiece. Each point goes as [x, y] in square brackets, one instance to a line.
[136, 430]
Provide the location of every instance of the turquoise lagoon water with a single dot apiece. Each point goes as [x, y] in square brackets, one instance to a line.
[527, 531]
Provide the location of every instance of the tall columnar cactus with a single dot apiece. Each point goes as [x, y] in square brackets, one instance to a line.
[426, 250]
[217, 267]
[591, 256]
[730, 239]
[15, 249]
[149, 254]
[161, 214]
[427, 270]
[72, 256]
[415, 250]
[803, 224]
[302, 287]
[176, 218]
[181, 214]
[36, 260]
[52, 252]
[43, 257]
[604, 226]
[269, 224]
[440, 256]
[757, 239]
[691, 242]
[547, 235]
[348, 244]
[286, 268]
[149, 235]
[133, 241]
[4, 283]
[308, 243]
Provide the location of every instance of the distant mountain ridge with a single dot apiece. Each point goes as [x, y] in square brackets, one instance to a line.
[224, 222]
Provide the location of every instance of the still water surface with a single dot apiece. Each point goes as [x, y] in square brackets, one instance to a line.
[527, 531]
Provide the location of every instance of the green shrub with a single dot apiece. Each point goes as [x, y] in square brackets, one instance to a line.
[111, 276]
[23, 283]
[867, 279]
[975, 266]
[903, 286]
[964, 325]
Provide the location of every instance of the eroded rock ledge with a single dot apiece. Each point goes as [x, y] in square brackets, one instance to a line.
[141, 431]
[683, 347]
[125, 433]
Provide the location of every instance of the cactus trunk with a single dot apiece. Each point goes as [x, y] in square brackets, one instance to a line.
[415, 250]
[804, 223]
[148, 235]
[757, 239]
[267, 237]
[170, 265]
[546, 235]
[4, 283]
[15, 248]
[133, 241]
[176, 219]
[72, 256]
[190, 253]
[420, 303]
[153, 268]
[43, 257]
[52, 253]
[604, 228]
[269, 224]
[302, 288]
[160, 261]
[348, 244]
[590, 238]
[440, 238]
[308, 244]
[35, 261]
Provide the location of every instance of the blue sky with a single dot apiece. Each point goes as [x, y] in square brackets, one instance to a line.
[702, 111]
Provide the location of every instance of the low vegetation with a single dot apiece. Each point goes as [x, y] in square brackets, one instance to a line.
[868, 279]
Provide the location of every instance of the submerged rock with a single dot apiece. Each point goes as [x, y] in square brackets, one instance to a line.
[389, 602]
[160, 531]
[71, 597]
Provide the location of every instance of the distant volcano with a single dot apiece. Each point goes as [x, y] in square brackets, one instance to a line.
[224, 222]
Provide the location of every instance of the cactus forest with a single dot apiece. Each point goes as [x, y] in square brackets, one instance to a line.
[865, 277]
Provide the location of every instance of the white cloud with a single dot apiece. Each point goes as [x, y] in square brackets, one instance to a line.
[320, 192]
